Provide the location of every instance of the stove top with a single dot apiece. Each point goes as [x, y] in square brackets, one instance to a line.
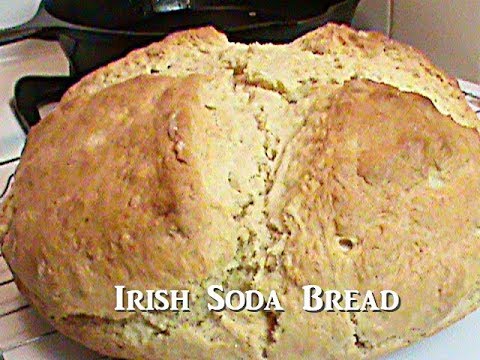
[24, 335]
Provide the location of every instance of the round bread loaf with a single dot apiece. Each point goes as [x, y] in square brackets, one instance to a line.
[343, 159]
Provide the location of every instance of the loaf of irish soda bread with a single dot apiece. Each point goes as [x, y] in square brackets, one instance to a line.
[344, 160]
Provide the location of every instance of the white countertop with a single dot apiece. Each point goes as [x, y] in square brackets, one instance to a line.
[25, 336]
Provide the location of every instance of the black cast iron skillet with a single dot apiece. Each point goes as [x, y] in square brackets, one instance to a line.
[93, 33]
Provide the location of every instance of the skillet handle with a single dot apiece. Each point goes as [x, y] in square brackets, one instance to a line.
[21, 32]
[31, 92]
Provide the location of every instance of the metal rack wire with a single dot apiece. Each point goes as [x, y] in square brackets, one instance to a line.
[8, 281]
[473, 99]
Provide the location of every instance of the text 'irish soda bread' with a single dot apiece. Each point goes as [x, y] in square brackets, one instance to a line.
[344, 160]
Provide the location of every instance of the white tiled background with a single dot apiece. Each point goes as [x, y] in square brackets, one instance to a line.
[448, 31]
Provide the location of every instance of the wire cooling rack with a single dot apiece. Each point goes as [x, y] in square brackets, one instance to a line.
[24, 334]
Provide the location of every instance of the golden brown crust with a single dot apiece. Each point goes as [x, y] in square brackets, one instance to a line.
[137, 62]
[196, 161]
[404, 200]
[406, 67]
[115, 182]
[341, 54]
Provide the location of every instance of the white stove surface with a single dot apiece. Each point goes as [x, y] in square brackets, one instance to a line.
[25, 336]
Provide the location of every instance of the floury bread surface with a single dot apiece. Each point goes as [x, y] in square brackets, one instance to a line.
[342, 159]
